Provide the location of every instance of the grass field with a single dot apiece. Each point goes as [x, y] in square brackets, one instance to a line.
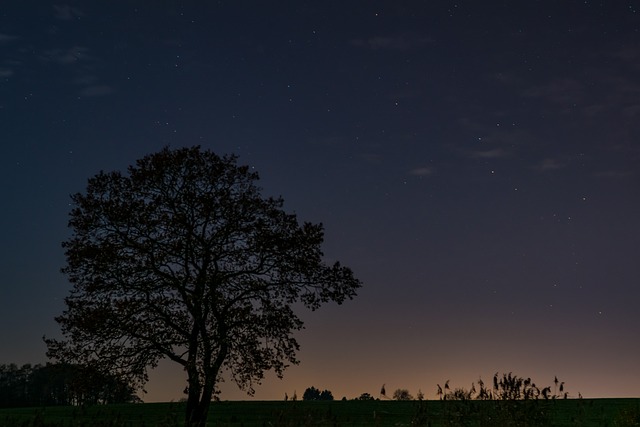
[583, 412]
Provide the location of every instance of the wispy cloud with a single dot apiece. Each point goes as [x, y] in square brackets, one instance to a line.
[98, 90]
[5, 38]
[615, 94]
[629, 54]
[614, 174]
[67, 56]
[5, 72]
[494, 153]
[372, 158]
[65, 12]
[397, 42]
[559, 91]
[81, 64]
[495, 142]
[548, 164]
[422, 171]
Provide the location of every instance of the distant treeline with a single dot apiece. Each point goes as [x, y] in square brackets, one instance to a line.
[60, 384]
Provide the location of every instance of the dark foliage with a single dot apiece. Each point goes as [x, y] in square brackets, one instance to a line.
[60, 384]
[434, 413]
[505, 387]
[402, 394]
[365, 396]
[512, 401]
[313, 393]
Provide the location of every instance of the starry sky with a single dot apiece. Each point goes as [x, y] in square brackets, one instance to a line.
[477, 164]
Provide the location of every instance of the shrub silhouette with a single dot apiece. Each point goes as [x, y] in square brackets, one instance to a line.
[402, 394]
[313, 393]
[512, 401]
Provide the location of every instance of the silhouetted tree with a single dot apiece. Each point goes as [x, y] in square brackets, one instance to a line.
[402, 394]
[326, 395]
[60, 384]
[183, 258]
[313, 393]
[14, 385]
[365, 396]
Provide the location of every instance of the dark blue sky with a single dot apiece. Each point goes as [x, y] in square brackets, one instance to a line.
[476, 164]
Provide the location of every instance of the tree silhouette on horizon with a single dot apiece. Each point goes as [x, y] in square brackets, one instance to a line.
[182, 258]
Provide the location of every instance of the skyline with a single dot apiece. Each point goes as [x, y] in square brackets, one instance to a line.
[475, 165]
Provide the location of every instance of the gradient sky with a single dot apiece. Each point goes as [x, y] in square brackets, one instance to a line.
[476, 163]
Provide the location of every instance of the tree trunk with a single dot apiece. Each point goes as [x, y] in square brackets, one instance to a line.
[199, 396]
[198, 402]
[197, 414]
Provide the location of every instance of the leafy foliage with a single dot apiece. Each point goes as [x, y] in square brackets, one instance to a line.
[402, 394]
[182, 258]
[365, 396]
[60, 384]
[313, 393]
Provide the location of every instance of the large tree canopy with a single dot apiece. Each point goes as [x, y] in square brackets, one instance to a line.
[183, 258]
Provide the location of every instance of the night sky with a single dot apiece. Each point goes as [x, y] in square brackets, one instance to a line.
[476, 163]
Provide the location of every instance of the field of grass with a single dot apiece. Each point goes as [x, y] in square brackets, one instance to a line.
[583, 412]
